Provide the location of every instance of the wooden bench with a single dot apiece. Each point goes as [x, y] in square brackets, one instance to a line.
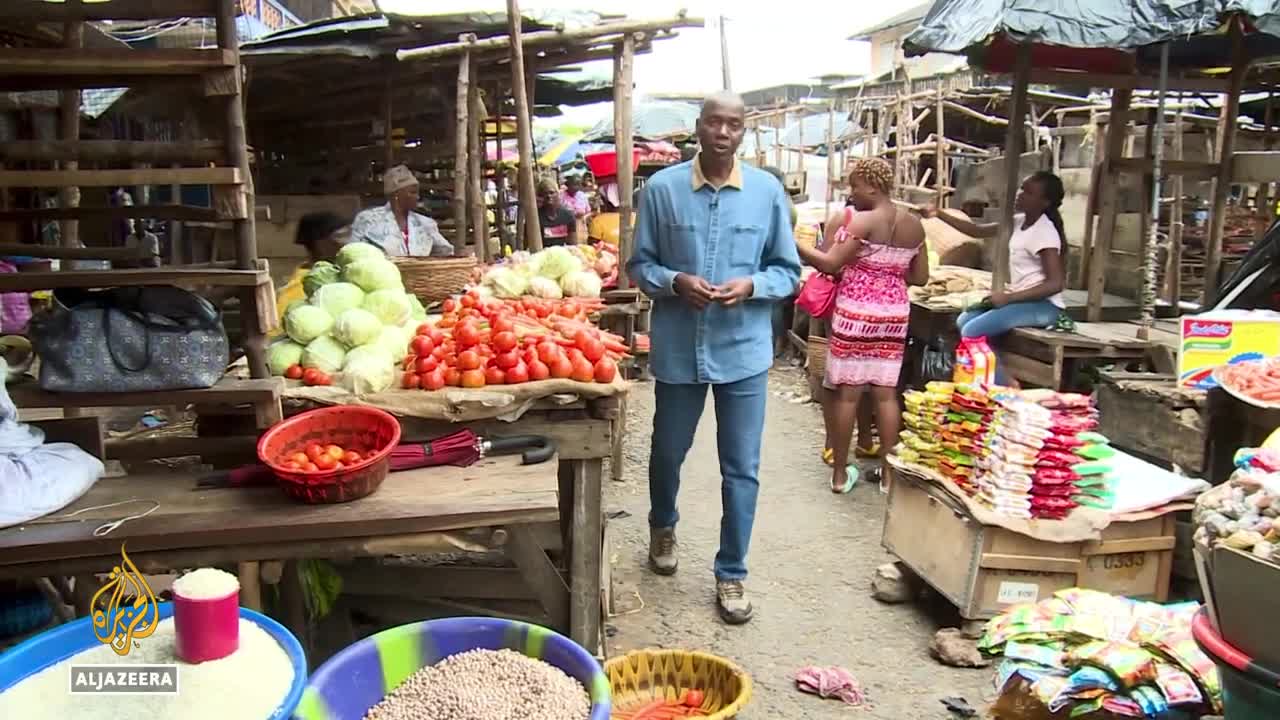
[1046, 358]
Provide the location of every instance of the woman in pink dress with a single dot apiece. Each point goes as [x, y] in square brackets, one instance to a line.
[868, 330]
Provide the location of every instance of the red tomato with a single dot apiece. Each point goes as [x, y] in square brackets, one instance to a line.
[291, 465]
[466, 334]
[581, 338]
[569, 309]
[495, 376]
[469, 360]
[532, 340]
[309, 376]
[450, 305]
[561, 367]
[433, 380]
[504, 340]
[507, 359]
[425, 364]
[326, 462]
[548, 351]
[453, 377]
[575, 355]
[439, 352]
[447, 321]
[293, 372]
[323, 379]
[502, 324]
[423, 329]
[485, 351]
[409, 360]
[473, 379]
[421, 345]
[300, 458]
[310, 467]
[529, 355]
[351, 457]
[583, 370]
[467, 301]
[409, 381]
[538, 370]
[605, 371]
[314, 450]
[593, 350]
[436, 335]
[518, 374]
[334, 451]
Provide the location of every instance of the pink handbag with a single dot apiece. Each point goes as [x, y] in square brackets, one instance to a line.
[818, 294]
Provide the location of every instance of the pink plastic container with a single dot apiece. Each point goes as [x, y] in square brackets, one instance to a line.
[206, 629]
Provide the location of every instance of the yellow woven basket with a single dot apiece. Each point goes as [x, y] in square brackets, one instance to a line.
[817, 356]
[434, 279]
[642, 676]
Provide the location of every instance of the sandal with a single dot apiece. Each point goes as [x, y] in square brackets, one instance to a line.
[867, 453]
[850, 479]
[828, 456]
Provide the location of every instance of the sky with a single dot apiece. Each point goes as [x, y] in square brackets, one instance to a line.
[770, 41]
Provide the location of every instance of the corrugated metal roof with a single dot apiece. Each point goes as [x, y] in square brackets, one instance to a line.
[906, 16]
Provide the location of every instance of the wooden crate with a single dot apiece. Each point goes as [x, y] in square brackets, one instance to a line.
[985, 569]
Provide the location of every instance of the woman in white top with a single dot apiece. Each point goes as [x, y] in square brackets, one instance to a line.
[1037, 262]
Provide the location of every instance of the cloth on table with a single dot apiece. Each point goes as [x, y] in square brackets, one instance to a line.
[830, 682]
[37, 478]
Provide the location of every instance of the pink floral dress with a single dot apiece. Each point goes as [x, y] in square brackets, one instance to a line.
[868, 330]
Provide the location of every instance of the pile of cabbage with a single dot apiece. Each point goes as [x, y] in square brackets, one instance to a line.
[552, 273]
[357, 320]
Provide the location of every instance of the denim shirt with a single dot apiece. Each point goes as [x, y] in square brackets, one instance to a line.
[685, 225]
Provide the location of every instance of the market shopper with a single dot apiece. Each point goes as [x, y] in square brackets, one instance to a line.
[322, 234]
[714, 251]
[396, 227]
[1037, 263]
[882, 251]
[574, 197]
[559, 226]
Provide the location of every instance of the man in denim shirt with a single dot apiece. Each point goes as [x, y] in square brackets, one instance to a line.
[715, 252]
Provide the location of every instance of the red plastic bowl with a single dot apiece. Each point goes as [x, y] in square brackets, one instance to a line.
[605, 164]
[350, 426]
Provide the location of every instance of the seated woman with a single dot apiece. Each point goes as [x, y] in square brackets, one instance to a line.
[322, 234]
[396, 227]
[1037, 266]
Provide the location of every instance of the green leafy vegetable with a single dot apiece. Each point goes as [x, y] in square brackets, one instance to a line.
[356, 327]
[391, 307]
[321, 274]
[368, 369]
[306, 323]
[374, 274]
[324, 353]
[283, 354]
[337, 298]
[358, 251]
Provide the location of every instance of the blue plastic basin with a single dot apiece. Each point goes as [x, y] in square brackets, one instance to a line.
[359, 677]
[53, 646]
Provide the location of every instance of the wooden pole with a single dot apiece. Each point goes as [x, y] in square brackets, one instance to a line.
[475, 173]
[1155, 149]
[603, 33]
[831, 157]
[69, 129]
[1117, 131]
[500, 178]
[524, 130]
[1091, 204]
[461, 135]
[1012, 155]
[724, 55]
[1226, 147]
[624, 143]
[1173, 265]
[940, 172]
[759, 147]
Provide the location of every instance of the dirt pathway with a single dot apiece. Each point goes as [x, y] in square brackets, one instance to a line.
[811, 560]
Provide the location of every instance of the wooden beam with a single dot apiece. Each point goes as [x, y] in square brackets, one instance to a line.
[1225, 148]
[524, 131]
[460, 166]
[114, 254]
[940, 176]
[1012, 156]
[112, 61]
[1142, 166]
[32, 281]
[125, 151]
[475, 174]
[112, 178]
[610, 31]
[157, 212]
[43, 11]
[1126, 82]
[69, 128]
[623, 66]
[1108, 206]
[1173, 263]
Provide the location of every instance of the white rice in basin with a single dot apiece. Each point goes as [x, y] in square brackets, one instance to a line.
[249, 684]
[206, 584]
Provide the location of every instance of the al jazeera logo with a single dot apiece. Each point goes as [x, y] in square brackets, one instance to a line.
[124, 613]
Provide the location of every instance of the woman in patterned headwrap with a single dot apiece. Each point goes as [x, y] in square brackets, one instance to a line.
[882, 251]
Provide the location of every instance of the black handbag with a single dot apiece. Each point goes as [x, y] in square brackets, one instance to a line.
[134, 339]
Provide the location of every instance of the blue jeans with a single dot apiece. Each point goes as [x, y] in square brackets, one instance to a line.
[993, 323]
[739, 427]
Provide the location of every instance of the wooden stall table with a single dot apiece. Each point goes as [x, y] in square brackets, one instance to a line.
[1047, 358]
[581, 418]
[496, 502]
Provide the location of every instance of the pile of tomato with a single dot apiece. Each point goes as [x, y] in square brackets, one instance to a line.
[308, 376]
[322, 458]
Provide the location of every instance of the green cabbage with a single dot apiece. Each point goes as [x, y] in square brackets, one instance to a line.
[337, 298]
[391, 307]
[306, 323]
[321, 274]
[416, 311]
[544, 288]
[357, 251]
[375, 274]
[367, 370]
[325, 354]
[582, 283]
[296, 303]
[556, 262]
[281, 355]
[506, 283]
[356, 327]
[395, 341]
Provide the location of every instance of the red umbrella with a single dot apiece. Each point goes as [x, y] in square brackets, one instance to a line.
[459, 448]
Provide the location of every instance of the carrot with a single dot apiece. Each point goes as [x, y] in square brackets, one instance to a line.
[646, 711]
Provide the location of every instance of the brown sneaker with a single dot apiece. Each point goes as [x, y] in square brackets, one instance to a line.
[732, 601]
[662, 551]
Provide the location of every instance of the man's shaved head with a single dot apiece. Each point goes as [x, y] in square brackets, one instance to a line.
[724, 100]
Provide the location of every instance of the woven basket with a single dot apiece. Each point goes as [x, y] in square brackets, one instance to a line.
[642, 676]
[817, 356]
[434, 279]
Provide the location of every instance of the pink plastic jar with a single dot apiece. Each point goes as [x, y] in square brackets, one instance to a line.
[206, 628]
